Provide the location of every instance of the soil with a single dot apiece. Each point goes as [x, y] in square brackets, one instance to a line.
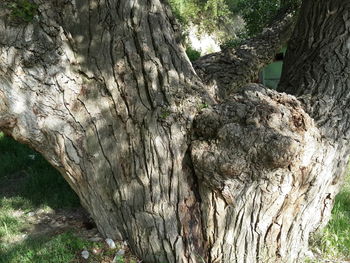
[52, 222]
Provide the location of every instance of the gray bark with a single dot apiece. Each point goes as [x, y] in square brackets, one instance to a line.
[320, 76]
[266, 177]
[226, 71]
[106, 93]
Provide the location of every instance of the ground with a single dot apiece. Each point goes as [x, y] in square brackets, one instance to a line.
[41, 220]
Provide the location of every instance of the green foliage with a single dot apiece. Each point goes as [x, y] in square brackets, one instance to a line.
[210, 15]
[24, 10]
[203, 106]
[207, 14]
[192, 54]
[234, 42]
[257, 13]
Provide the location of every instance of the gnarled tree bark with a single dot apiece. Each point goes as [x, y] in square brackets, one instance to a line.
[106, 93]
[226, 71]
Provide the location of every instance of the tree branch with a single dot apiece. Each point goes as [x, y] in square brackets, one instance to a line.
[232, 68]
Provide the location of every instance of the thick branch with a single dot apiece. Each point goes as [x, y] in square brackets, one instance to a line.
[232, 68]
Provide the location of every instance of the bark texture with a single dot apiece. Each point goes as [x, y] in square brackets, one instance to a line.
[106, 93]
[320, 77]
[263, 168]
[226, 71]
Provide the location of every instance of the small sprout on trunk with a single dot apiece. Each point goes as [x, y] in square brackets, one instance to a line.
[23, 10]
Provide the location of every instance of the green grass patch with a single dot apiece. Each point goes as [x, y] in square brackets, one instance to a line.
[14, 157]
[11, 222]
[333, 242]
[10, 225]
[15, 203]
[62, 248]
[34, 179]
[27, 183]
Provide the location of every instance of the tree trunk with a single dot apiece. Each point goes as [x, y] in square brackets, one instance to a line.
[106, 93]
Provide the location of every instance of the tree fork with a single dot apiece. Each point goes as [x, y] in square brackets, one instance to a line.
[230, 69]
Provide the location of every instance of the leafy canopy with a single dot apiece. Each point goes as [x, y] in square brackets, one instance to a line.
[210, 15]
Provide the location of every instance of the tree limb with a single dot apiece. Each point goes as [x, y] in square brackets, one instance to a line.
[232, 68]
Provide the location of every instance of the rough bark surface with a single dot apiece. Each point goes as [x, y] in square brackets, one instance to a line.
[105, 92]
[226, 71]
[263, 168]
[320, 77]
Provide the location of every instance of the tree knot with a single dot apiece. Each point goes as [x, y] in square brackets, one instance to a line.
[7, 121]
[256, 134]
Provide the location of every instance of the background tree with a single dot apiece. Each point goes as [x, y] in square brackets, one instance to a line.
[186, 166]
[207, 14]
[258, 14]
[216, 15]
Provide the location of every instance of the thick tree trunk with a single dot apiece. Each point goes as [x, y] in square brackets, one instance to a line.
[320, 77]
[104, 91]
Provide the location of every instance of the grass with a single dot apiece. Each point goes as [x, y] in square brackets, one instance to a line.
[41, 184]
[333, 242]
[27, 183]
[61, 248]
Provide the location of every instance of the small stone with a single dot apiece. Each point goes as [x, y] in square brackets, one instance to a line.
[31, 214]
[121, 252]
[96, 251]
[85, 254]
[110, 243]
